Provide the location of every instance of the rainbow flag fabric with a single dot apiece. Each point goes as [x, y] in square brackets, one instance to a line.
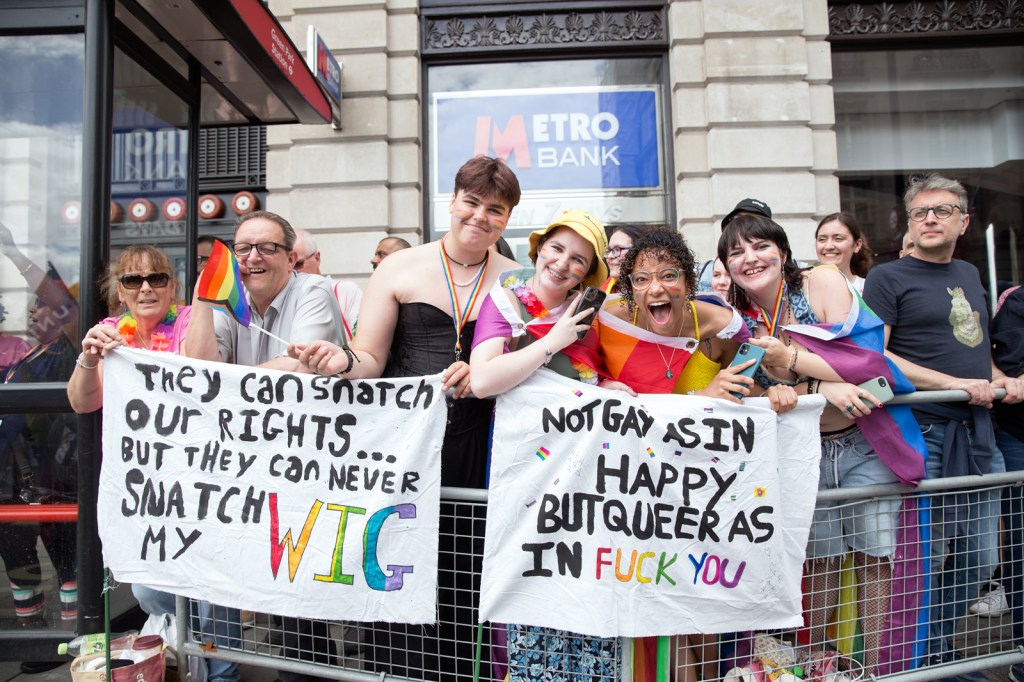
[221, 284]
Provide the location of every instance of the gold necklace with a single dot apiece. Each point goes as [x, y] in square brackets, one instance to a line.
[672, 357]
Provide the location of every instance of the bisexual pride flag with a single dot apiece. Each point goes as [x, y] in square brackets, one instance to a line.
[221, 283]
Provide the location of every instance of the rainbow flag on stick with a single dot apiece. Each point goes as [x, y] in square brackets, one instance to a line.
[221, 284]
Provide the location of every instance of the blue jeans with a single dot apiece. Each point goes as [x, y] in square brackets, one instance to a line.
[960, 564]
[1013, 526]
[219, 624]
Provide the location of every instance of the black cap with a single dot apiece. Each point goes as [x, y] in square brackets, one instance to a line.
[748, 206]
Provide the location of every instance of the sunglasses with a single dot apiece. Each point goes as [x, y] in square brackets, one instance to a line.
[156, 280]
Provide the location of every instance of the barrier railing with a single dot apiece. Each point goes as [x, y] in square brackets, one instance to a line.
[974, 631]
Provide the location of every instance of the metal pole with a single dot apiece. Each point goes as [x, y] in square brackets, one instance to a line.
[990, 248]
[97, 132]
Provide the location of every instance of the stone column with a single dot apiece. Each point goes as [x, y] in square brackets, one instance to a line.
[353, 187]
[752, 115]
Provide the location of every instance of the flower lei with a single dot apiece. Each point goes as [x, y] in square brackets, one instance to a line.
[160, 339]
[525, 294]
[537, 310]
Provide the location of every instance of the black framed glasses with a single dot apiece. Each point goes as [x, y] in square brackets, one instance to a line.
[202, 260]
[157, 280]
[615, 252]
[242, 249]
[669, 277]
[942, 211]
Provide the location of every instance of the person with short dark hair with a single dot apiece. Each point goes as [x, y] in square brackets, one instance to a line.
[409, 327]
[936, 330]
[386, 247]
[204, 247]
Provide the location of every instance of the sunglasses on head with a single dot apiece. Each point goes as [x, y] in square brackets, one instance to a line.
[156, 280]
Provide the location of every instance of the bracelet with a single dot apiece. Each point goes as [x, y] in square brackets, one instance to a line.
[352, 360]
[547, 352]
[27, 268]
[812, 386]
[78, 361]
[792, 360]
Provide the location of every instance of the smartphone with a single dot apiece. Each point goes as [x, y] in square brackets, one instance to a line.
[592, 298]
[878, 387]
[747, 352]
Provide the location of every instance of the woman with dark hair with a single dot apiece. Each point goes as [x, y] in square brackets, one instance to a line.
[772, 293]
[620, 239]
[840, 241]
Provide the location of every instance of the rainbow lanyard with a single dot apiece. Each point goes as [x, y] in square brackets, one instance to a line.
[460, 317]
[772, 321]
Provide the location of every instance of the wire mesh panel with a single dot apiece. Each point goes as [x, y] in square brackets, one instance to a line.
[914, 590]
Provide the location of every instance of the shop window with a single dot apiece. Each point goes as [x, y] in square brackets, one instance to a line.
[958, 111]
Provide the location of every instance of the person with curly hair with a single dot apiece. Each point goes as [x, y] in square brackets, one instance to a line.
[840, 241]
[657, 318]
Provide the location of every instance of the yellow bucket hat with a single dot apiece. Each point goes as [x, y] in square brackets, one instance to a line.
[586, 226]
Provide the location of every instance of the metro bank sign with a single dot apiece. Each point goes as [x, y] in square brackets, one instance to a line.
[567, 139]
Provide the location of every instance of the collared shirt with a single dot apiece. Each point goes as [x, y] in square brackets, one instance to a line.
[302, 312]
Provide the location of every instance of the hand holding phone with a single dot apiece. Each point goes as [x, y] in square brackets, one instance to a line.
[592, 298]
[878, 387]
[745, 353]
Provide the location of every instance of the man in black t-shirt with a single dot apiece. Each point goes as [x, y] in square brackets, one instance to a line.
[936, 330]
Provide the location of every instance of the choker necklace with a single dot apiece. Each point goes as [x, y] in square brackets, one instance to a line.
[465, 265]
[672, 357]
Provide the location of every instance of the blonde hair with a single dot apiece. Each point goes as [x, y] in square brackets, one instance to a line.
[129, 261]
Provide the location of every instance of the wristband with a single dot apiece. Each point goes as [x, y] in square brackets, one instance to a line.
[792, 360]
[352, 360]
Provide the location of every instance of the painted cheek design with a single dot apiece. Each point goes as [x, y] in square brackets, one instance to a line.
[577, 272]
[499, 223]
[461, 215]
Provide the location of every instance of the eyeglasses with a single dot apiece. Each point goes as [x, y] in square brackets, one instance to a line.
[942, 211]
[615, 252]
[157, 280]
[668, 277]
[242, 249]
[302, 261]
[202, 260]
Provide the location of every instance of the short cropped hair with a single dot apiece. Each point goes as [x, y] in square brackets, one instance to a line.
[286, 227]
[488, 176]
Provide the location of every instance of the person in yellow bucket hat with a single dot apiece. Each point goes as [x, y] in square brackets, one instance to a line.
[530, 318]
[586, 226]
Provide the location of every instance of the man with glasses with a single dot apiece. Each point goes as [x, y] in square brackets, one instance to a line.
[936, 329]
[204, 247]
[346, 293]
[299, 308]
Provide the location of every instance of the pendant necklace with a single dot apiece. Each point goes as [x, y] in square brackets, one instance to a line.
[461, 316]
[671, 358]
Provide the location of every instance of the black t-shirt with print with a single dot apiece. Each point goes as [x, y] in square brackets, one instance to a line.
[938, 313]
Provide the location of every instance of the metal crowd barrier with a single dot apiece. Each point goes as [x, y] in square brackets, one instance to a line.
[982, 637]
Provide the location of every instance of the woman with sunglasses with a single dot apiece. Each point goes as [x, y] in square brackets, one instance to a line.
[143, 287]
[774, 293]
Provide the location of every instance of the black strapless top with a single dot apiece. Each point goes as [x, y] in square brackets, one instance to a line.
[424, 344]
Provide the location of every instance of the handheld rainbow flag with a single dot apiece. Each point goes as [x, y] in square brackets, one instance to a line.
[221, 284]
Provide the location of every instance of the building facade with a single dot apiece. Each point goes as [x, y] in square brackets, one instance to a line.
[809, 105]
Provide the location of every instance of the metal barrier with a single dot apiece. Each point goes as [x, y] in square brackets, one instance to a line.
[975, 616]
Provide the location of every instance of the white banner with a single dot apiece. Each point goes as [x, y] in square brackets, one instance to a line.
[611, 515]
[273, 492]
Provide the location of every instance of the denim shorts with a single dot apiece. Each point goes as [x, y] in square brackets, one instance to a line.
[848, 461]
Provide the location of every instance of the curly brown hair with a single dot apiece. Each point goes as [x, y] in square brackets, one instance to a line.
[660, 243]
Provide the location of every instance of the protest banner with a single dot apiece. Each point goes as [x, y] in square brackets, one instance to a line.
[618, 516]
[281, 493]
